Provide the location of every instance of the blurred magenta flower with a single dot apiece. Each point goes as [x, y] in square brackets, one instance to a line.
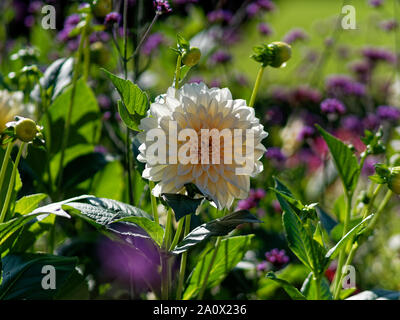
[264, 29]
[152, 43]
[112, 18]
[295, 35]
[333, 105]
[388, 113]
[277, 258]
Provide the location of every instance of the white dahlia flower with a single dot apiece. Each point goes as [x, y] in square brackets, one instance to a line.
[197, 108]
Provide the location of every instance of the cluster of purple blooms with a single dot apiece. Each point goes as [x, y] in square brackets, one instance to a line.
[255, 196]
[220, 56]
[333, 106]
[277, 258]
[162, 6]
[376, 3]
[264, 29]
[341, 85]
[258, 6]
[112, 18]
[374, 55]
[295, 35]
[220, 15]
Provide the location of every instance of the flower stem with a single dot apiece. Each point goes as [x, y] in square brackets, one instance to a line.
[177, 234]
[214, 256]
[5, 163]
[183, 260]
[256, 86]
[178, 71]
[11, 184]
[343, 250]
[72, 100]
[153, 202]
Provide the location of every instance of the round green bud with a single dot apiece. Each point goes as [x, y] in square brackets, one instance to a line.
[26, 130]
[281, 52]
[191, 57]
[394, 180]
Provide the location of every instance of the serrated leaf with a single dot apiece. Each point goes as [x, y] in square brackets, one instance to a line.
[181, 204]
[132, 96]
[219, 227]
[345, 160]
[290, 289]
[131, 120]
[229, 254]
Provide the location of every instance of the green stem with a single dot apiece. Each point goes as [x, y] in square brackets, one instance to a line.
[177, 234]
[153, 202]
[318, 283]
[256, 86]
[178, 71]
[343, 250]
[379, 211]
[183, 260]
[204, 285]
[5, 163]
[71, 101]
[348, 262]
[11, 183]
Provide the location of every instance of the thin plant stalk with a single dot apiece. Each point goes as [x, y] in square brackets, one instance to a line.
[256, 86]
[214, 256]
[182, 269]
[153, 202]
[177, 234]
[5, 163]
[11, 183]
[72, 99]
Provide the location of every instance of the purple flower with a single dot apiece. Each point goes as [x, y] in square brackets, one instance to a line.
[35, 6]
[246, 204]
[221, 56]
[275, 154]
[104, 101]
[262, 266]
[306, 94]
[305, 133]
[112, 18]
[388, 113]
[353, 123]
[257, 194]
[107, 115]
[72, 20]
[195, 79]
[100, 149]
[333, 106]
[277, 258]
[375, 3]
[264, 29]
[371, 122]
[161, 6]
[215, 83]
[368, 168]
[29, 21]
[274, 115]
[374, 55]
[341, 85]
[152, 43]
[295, 35]
[389, 25]
[219, 15]
[362, 69]
[266, 5]
[252, 9]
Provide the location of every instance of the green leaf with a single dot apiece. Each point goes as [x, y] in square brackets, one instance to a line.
[327, 221]
[345, 160]
[333, 252]
[22, 277]
[291, 290]
[181, 204]
[229, 254]
[219, 227]
[132, 96]
[57, 76]
[29, 203]
[154, 230]
[84, 130]
[309, 288]
[82, 168]
[131, 120]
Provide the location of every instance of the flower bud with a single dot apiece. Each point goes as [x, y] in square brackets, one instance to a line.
[394, 180]
[26, 130]
[191, 57]
[281, 52]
